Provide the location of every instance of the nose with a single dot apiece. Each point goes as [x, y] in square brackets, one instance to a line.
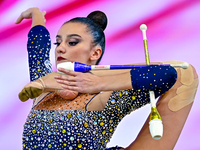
[61, 48]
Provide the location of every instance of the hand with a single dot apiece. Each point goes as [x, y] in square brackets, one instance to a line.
[32, 13]
[45, 84]
[80, 82]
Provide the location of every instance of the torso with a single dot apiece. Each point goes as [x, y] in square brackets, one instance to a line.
[86, 102]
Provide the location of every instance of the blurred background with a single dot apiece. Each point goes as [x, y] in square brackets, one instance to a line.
[173, 34]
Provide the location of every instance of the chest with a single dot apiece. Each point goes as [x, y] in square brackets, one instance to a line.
[89, 102]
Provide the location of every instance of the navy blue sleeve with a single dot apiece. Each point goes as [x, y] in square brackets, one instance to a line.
[156, 78]
[38, 46]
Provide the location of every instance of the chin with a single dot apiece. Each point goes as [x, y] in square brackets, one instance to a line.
[61, 61]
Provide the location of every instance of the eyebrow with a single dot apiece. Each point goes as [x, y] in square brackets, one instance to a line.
[70, 35]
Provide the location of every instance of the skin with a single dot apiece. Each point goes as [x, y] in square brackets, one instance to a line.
[173, 121]
[89, 83]
[35, 14]
[74, 43]
[104, 81]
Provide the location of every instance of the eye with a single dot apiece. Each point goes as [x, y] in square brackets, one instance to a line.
[73, 43]
[57, 43]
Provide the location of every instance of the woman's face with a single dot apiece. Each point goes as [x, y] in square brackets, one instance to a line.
[74, 44]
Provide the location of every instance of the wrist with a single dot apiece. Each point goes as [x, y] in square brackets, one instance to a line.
[35, 9]
[37, 17]
[35, 12]
[102, 83]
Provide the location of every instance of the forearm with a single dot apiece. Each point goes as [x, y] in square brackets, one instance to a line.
[38, 46]
[116, 82]
[154, 77]
[37, 17]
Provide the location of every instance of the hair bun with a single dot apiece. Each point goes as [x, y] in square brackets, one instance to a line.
[99, 18]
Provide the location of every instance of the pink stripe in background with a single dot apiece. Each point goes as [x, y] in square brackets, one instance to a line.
[173, 34]
[6, 4]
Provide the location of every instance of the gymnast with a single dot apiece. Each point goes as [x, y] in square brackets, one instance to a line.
[75, 110]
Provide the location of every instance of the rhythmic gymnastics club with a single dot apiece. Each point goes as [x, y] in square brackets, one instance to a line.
[80, 67]
[155, 121]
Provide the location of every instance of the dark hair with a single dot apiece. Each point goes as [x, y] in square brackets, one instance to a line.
[96, 22]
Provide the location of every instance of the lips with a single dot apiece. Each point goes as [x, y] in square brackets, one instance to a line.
[60, 58]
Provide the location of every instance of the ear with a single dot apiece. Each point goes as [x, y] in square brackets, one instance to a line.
[95, 53]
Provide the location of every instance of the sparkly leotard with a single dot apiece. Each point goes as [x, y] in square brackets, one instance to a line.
[78, 129]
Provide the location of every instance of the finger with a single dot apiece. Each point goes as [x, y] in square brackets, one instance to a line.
[64, 77]
[19, 19]
[68, 72]
[44, 13]
[61, 77]
[69, 83]
[72, 88]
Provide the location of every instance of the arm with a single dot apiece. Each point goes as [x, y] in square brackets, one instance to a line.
[38, 44]
[38, 47]
[174, 107]
[141, 78]
[90, 83]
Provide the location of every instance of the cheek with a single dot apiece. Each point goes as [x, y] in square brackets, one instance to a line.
[81, 52]
[78, 55]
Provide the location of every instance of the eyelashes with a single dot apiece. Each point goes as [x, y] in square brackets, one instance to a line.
[57, 44]
[69, 43]
[72, 43]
